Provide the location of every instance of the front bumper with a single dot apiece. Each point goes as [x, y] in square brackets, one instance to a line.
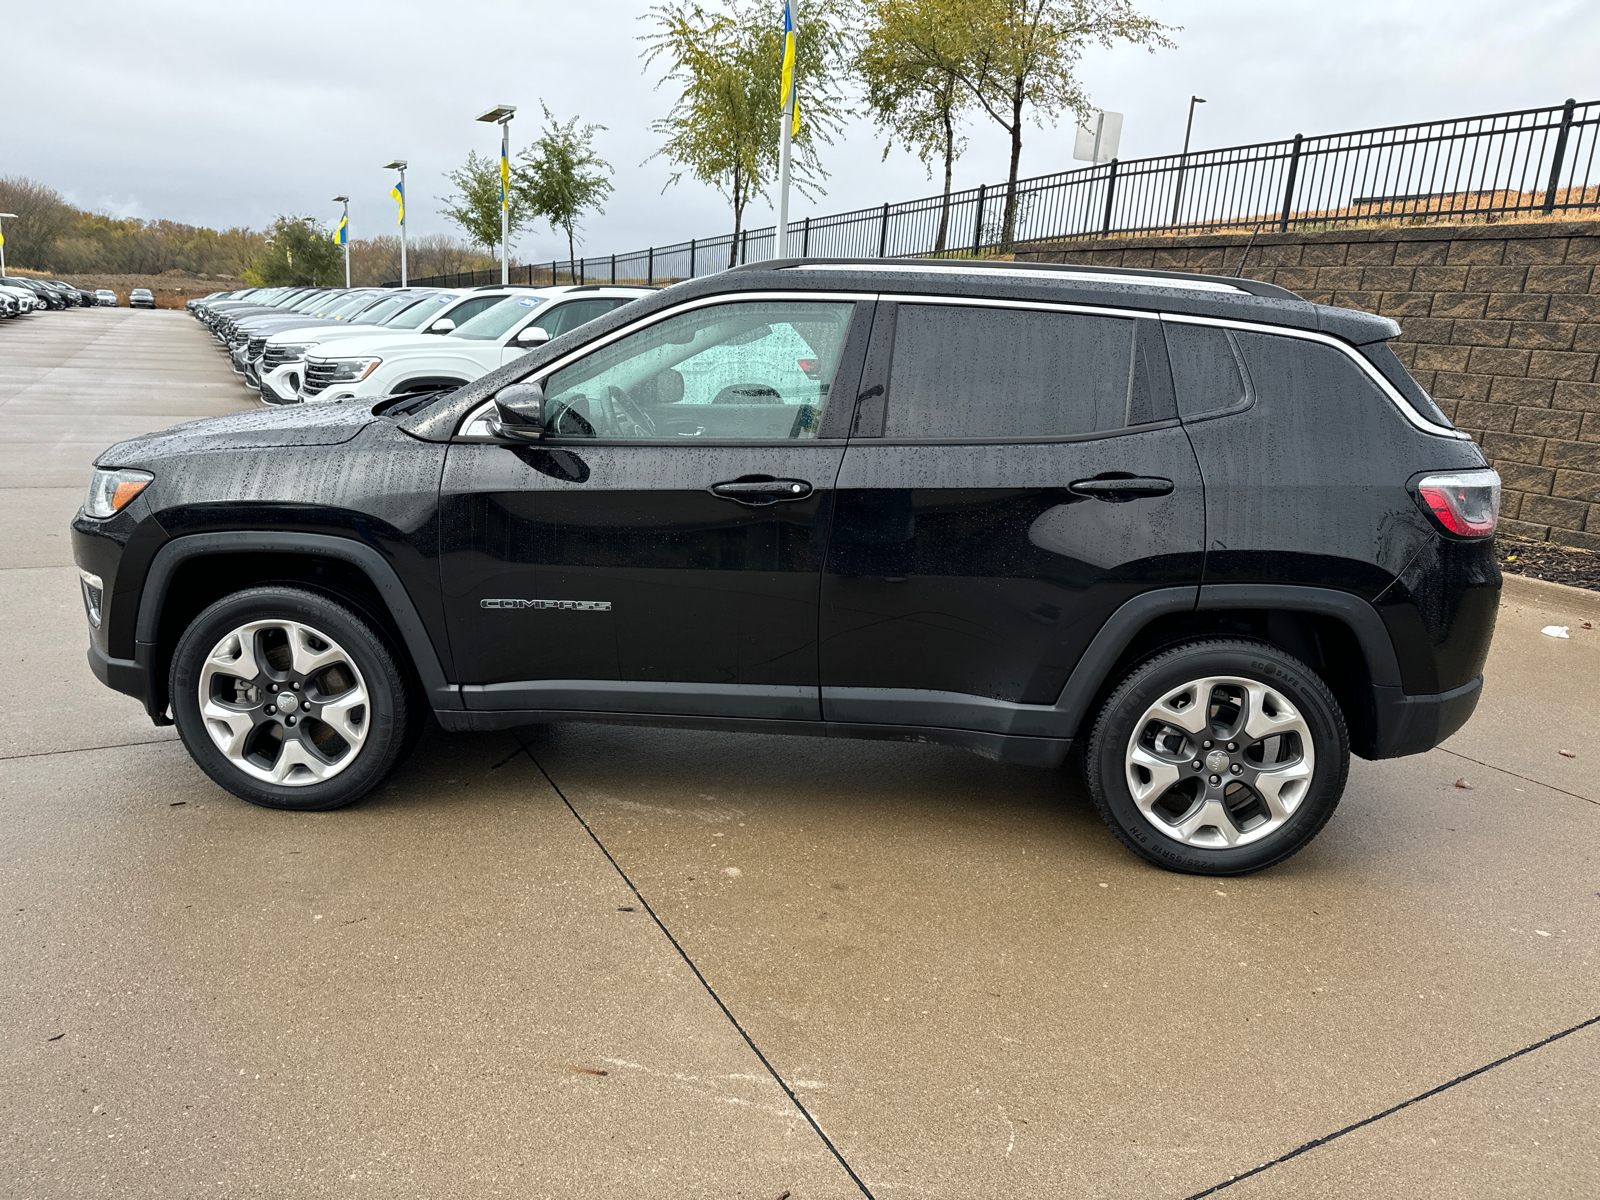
[130, 676]
[1412, 724]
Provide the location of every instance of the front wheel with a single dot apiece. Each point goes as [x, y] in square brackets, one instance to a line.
[1219, 757]
[288, 700]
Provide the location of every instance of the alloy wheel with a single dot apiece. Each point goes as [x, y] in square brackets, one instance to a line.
[284, 702]
[1220, 762]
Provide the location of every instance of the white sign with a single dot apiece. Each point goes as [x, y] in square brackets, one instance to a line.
[1099, 137]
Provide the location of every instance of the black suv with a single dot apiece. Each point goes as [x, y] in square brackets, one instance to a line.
[1214, 535]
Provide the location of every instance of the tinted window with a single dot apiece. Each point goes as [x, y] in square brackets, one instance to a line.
[1005, 373]
[1207, 370]
[757, 370]
[568, 316]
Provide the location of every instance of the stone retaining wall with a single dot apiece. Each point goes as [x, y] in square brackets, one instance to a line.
[1500, 323]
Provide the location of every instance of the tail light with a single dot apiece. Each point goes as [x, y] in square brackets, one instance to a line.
[1465, 503]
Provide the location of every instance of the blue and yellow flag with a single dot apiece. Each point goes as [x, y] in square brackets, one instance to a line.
[399, 193]
[341, 235]
[505, 167]
[790, 96]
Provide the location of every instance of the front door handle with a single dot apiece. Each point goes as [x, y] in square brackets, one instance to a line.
[1117, 490]
[762, 491]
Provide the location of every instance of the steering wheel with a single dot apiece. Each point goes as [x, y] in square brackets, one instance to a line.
[620, 401]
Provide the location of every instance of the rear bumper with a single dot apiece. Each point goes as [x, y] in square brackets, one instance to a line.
[1413, 724]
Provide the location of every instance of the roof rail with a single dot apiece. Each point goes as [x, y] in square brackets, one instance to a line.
[1061, 271]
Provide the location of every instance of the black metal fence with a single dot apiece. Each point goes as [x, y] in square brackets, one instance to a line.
[1532, 161]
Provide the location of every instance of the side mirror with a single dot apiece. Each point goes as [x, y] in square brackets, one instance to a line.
[532, 335]
[442, 325]
[519, 413]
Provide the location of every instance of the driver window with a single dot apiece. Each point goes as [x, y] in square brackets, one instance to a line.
[747, 370]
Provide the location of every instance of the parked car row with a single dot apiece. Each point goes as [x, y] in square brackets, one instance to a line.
[21, 294]
[319, 345]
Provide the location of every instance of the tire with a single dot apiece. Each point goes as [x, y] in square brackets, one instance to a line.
[1274, 790]
[289, 700]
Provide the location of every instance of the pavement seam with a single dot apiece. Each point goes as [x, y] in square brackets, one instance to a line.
[1417, 1099]
[704, 982]
[1525, 779]
[86, 749]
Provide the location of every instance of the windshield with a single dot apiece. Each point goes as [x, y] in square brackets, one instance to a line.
[420, 313]
[380, 312]
[495, 322]
[343, 306]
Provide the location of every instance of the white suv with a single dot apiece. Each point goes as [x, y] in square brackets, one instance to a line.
[281, 366]
[524, 319]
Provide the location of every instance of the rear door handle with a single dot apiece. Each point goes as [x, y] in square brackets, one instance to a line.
[1116, 490]
[762, 491]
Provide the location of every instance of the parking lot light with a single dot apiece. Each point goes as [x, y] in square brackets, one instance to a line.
[501, 115]
[3, 243]
[399, 164]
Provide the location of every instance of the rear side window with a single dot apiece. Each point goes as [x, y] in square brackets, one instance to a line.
[1208, 371]
[995, 373]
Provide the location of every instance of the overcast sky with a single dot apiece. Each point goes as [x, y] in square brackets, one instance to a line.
[228, 113]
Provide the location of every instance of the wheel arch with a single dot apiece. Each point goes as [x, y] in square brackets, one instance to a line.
[189, 573]
[1340, 636]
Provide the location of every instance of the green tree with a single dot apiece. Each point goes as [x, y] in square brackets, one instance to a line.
[908, 66]
[41, 218]
[475, 204]
[562, 177]
[723, 129]
[1013, 56]
[298, 252]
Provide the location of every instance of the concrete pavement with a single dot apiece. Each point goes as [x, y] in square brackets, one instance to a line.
[597, 961]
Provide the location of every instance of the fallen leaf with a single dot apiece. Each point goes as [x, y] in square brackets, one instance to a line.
[1566, 754]
[1463, 785]
[1585, 625]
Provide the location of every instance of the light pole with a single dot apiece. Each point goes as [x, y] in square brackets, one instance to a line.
[1183, 163]
[344, 236]
[399, 193]
[3, 243]
[501, 115]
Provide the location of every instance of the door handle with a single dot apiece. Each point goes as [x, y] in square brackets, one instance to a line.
[1119, 490]
[762, 491]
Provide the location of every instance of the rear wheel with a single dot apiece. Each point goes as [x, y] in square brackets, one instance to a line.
[1218, 757]
[288, 700]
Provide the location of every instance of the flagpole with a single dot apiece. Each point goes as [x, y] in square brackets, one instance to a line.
[344, 238]
[505, 203]
[780, 240]
[400, 165]
[403, 279]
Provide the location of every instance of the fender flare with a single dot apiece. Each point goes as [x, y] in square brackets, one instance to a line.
[152, 597]
[1383, 666]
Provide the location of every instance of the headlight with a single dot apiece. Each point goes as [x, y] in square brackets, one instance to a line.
[350, 370]
[291, 353]
[112, 491]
